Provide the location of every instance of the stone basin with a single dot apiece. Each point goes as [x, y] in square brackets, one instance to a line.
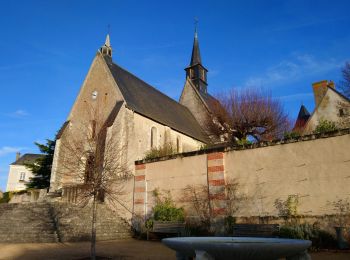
[238, 248]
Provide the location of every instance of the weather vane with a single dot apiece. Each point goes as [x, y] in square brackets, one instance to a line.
[109, 28]
[195, 23]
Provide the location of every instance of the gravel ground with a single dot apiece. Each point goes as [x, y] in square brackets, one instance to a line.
[117, 249]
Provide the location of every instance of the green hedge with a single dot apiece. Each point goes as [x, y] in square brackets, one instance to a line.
[320, 238]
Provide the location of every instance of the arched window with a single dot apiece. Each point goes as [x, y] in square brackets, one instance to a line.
[178, 145]
[153, 137]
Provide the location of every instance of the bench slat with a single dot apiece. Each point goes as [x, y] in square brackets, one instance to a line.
[259, 230]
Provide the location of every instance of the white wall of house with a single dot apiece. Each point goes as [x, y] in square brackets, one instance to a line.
[18, 176]
[328, 109]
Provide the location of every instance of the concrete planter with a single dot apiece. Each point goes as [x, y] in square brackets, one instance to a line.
[240, 248]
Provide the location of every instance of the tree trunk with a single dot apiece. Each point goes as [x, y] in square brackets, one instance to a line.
[93, 229]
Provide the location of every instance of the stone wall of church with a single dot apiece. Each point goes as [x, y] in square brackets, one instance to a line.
[97, 97]
[135, 134]
[190, 99]
[130, 132]
[316, 170]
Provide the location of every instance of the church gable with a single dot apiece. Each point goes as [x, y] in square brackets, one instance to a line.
[193, 101]
[98, 91]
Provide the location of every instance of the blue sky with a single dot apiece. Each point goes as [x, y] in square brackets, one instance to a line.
[46, 48]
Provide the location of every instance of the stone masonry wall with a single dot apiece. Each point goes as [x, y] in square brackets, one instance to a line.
[314, 168]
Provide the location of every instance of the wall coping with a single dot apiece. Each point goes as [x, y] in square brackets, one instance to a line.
[228, 147]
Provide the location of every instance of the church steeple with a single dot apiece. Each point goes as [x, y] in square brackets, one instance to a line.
[196, 71]
[106, 49]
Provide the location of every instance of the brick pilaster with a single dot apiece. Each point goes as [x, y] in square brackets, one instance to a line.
[140, 189]
[216, 183]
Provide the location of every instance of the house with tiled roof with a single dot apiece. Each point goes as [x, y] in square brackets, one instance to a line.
[140, 116]
[330, 105]
[19, 174]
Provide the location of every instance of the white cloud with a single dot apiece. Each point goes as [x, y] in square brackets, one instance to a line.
[8, 149]
[19, 113]
[294, 69]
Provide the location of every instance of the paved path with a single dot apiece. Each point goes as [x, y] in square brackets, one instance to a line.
[117, 249]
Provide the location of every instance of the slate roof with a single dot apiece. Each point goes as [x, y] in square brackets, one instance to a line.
[303, 113]
[60, 132]
[302, 118]
[149, 102]
[208, 100]
[27, 158]
[196, 55]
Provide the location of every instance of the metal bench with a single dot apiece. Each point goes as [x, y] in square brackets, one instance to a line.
[256, 230]
[167, 227]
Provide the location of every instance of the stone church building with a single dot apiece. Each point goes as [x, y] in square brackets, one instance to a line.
[138, 115]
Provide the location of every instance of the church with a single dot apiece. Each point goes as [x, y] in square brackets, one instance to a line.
[138, 115]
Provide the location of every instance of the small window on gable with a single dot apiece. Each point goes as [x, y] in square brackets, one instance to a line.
[154, 137]
[22, 176]
[341, 112]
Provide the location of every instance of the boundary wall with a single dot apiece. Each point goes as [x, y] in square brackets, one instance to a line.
[314, 168]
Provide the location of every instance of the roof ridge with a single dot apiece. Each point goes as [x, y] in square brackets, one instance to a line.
[145, 99]
[149, 85]
[200, 96]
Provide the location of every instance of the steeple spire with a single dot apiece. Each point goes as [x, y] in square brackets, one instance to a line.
[196, 71]
[108, 41]
[106, 49]
[196, 55]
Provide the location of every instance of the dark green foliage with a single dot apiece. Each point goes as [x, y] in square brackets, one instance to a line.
[229, 222]
[325, 126]
[165, 210]
[6, 196]
[41, 168]
[164, 150]
[203, 147]
[168, 212]
[291, 135]
[319, 238]
[243, 142]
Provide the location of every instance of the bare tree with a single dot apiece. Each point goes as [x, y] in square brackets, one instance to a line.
[92, 161]
[200, 200]
[197, 197]
[345, 82]
[238, 115]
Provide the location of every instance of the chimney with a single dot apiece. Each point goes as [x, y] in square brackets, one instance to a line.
[18, 155]
[320, 89]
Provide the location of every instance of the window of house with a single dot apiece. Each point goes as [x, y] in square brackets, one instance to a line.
[153, 137]
[341, 112]
[22, 176]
